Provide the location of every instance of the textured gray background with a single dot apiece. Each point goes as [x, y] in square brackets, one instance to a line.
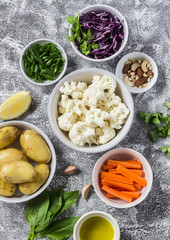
[23, 21]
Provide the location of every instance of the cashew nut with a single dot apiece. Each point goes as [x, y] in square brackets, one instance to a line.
[127, 82]
[144, 65]
[135, 66]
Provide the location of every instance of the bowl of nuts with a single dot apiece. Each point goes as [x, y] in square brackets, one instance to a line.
[138, 71]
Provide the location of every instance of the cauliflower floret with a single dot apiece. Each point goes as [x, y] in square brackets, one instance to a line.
[75, 106]
[66, 121]
[95, 117]
[80, 134]
[105, 134]
[82, 86]
[118, 116]
[68, 88]
[112, 101]
[104, 82]
[92, 96]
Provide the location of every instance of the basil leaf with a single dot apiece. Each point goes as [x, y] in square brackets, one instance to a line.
[54, 206]
[37, 208]
[68, 199]
[61, 229]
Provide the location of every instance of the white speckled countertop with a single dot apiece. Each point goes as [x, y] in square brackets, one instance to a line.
[23, 21]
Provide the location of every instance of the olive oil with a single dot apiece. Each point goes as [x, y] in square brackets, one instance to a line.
[96, 228]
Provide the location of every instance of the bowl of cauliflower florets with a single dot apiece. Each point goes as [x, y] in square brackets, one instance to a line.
[91, 110]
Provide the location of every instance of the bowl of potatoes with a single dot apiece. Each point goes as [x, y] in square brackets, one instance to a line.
[27, 161]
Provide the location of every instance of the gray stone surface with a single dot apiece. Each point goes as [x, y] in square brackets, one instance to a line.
[23, 21]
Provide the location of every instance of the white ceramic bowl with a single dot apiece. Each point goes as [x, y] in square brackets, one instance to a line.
[41, 42]
[141, 55]
[94, 214]
[18, 197]
[100, 7]
[86, 75]
[122, 154]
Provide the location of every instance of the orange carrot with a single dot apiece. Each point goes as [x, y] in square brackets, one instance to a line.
[137, 186]
[110, 195]
[105, 167]
[138, 172]
[111, 183]
[118, 194]
[133, 194]
[129, 174]
[117, 178]
[127, 164]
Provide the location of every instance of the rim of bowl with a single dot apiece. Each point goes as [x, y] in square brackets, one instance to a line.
[59, 133]
[46, 82]
[107, 216]
[117, 13]
[25, 198]
[103, 158]
[135, 54]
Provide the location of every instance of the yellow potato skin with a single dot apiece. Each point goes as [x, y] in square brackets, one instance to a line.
[42, 175]
[8, 135]
[35, 147]
[7, 189]
[11, 154]
[17, 172]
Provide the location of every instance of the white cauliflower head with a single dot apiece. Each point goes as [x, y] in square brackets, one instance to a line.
[66, 121]
[81, 133]
[105, 82]
[95, 117]
[92, 96]
[105, 134]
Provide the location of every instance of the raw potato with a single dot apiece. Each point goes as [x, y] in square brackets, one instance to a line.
[11, 154]
[42, 175]
[17, 172]
[7, 189]
[8, 135]
[35, 147]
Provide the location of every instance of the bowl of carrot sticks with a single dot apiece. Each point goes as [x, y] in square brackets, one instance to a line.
[122, 178]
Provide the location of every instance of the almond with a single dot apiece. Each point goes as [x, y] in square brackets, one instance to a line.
[140, 81]
[150, 74]
[70, 170]
[126, 68]
[139, 72]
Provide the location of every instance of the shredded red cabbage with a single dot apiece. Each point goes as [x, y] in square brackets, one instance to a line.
[107, 31]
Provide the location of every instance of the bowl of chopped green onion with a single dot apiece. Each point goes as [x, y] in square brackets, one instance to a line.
[43, 62]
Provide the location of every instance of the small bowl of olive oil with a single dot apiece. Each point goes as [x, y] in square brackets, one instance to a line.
[96, 225]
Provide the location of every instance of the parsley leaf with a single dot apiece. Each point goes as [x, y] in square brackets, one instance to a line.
[166, 149]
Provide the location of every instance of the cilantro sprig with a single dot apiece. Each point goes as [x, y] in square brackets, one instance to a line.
[160, 124]
[83, 39]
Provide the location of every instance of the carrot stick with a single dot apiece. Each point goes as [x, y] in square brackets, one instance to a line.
[105, 167]
[133, 194]
[137, 186]
[138, 172]
[110, 195]
[127, 173]
[111, 183]
[118, 194]
[127, 164]
[117, 178]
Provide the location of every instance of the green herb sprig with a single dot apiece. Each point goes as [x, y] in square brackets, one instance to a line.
[42, 211]
[160, 124]
[43, 62]
[82, 38]
[166, 150]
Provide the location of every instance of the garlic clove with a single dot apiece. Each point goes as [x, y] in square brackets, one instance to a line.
[85, 191]
[70, 170]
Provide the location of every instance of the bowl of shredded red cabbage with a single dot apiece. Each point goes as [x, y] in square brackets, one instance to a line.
[98, 32]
